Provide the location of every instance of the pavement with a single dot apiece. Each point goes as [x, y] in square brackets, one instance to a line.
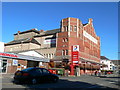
[4, 75]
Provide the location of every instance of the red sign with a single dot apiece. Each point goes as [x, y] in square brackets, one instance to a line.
[75, 54]
[8, 55]
[75, 57]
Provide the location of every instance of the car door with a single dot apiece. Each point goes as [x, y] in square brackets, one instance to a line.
[37, 73]
[46, 75]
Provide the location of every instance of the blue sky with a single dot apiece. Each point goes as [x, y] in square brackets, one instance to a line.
[21, 16]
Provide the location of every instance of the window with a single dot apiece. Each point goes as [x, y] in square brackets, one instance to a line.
[45, 71]
[63, 39]
[66, 40]
[64, 28]
[63, 52]
[49, 55]
[38, 70]
[70, 28]
[66, 52]
[52, 55]
[75, 28]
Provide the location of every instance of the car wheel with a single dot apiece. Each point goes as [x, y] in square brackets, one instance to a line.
[55, 80]
[34, 81]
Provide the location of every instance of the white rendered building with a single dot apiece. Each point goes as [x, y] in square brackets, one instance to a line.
[109, 64]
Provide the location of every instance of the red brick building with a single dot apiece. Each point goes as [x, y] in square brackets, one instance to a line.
[56, 44]
[73, 32]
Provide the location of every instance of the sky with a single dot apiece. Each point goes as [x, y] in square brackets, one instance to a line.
[22, 16]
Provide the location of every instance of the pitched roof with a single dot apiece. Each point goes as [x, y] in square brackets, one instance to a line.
[85, 24]
[48, 32]
[116, 62]
[31, 30]
[26, 40]
[103, 57]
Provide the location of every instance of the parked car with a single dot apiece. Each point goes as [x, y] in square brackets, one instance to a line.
[34, 75]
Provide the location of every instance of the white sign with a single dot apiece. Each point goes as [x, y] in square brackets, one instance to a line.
[50, 41]
[89, 37]
[15, 62]
[75, 61]
[75, 47]
[24, 67]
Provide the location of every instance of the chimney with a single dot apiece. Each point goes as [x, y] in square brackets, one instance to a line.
[18, 31]
[41, 30]
[90, 20]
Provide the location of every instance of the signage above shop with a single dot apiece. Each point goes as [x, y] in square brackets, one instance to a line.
[8, 55]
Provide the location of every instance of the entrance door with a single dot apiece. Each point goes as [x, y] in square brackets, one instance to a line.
[4, 65]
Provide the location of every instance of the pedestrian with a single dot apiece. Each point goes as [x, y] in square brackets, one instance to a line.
[96, 73]
[99, 73]
[66, 72]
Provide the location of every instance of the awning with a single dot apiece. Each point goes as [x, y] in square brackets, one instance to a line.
[24, 57]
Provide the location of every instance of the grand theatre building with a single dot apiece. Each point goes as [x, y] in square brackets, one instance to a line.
[57, 45]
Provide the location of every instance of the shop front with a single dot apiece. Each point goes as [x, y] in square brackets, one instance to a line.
[10, 62]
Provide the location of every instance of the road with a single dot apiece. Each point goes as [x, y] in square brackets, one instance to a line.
[84, 81]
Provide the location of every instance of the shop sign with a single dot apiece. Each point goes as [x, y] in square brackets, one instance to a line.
[75, 54]
[8, 55]
[15, 62]
[75, 48]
